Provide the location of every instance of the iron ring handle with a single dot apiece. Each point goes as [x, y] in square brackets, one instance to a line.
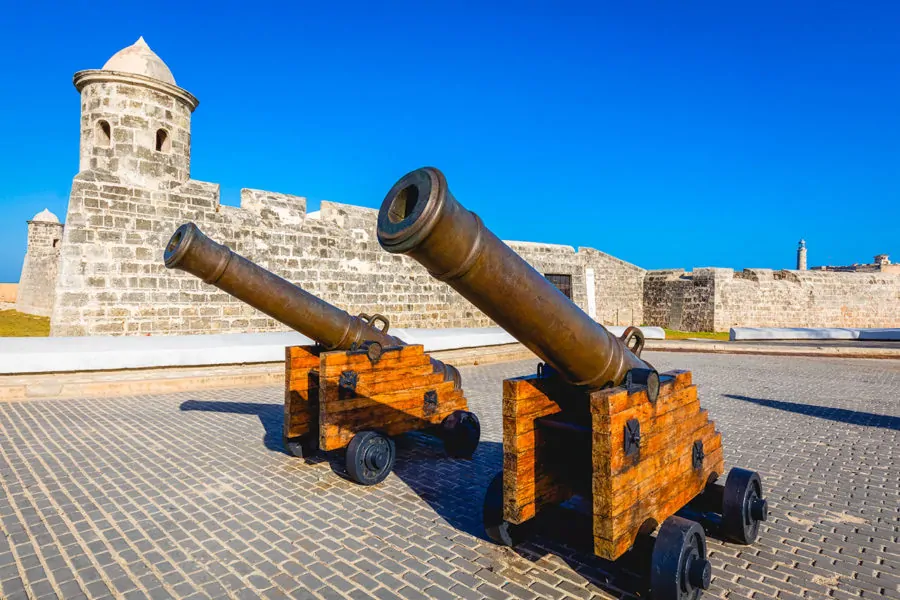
[635, 334]
[372, 319]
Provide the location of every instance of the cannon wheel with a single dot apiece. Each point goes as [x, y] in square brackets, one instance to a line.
[500, 531]
[370, 457]
[460, 431]
[743, 506]
[679, 569]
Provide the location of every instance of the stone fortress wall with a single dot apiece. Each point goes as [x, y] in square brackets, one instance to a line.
[112, 279]
[717, 299]
[106, 275]
[134, 189]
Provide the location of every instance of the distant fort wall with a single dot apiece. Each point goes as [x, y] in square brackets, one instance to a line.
[718, 299]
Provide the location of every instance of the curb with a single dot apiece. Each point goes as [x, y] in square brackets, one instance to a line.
[166, 380]
[809, 350]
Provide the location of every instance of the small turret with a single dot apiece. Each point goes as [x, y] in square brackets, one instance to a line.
[801, 256]
[135, 121]
[37, 284]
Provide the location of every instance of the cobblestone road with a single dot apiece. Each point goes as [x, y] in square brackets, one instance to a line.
[191, 496]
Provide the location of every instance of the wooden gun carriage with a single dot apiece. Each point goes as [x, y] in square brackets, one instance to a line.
[357, 386]
[357, 399]
[596, 421]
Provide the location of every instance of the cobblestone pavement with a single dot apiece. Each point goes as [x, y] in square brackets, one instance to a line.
[191, 496]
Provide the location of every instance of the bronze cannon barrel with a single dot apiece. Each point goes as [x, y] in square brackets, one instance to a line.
[420, 218]
[335, 329]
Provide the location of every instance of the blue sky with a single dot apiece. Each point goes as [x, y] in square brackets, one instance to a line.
[670, 134]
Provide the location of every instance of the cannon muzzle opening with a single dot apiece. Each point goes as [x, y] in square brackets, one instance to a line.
[190, 250]
[410, 210]
[178, 244]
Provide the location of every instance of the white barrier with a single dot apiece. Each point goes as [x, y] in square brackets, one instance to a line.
[812, 333]
[102, 353]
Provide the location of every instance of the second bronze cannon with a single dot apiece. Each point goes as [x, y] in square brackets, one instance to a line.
[596, 420]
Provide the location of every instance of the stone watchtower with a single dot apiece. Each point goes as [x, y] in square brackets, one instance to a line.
[38, 281]
[135, 121]
[801, 256]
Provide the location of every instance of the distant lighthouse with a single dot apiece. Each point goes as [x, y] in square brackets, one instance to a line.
[801, 256]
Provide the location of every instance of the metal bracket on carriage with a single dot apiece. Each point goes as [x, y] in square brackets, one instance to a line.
[632, 437]
[347, 384]
[430, 403]
[697, 455]
[546, 370]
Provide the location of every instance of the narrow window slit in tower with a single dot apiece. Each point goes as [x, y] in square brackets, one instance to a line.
[163, 143]
[102, 134]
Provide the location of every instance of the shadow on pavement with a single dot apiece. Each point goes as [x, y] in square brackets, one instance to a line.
[270, 415]
[455, 488]
[841, 415]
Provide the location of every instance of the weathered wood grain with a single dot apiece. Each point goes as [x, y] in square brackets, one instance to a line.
[389, 395]
[613, 536]
[301, 393]
[650, 486]
[527, 486]
[628, 491]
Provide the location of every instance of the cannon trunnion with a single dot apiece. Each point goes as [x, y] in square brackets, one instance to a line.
[596, 421]
[357, 386]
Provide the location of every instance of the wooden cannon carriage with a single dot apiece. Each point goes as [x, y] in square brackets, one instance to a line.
[596, 421]
[356, 399]
[357, 386]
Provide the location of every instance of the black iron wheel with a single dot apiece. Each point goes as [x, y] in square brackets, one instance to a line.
[370, 457]
[743, 506]
[679, 569]
[500, 531]
[461, 431]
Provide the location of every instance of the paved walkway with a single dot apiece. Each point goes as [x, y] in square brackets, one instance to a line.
[191, 496]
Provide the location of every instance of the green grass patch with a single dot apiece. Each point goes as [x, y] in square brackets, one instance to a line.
[671, 334]
[16, 324]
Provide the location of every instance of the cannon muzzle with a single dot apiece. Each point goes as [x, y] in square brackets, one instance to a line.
[420, 218]
[192, 251]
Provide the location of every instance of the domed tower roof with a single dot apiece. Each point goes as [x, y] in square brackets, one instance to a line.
[140, 60]
[45, 216]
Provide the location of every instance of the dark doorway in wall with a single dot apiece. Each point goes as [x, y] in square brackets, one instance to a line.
[563, 282]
